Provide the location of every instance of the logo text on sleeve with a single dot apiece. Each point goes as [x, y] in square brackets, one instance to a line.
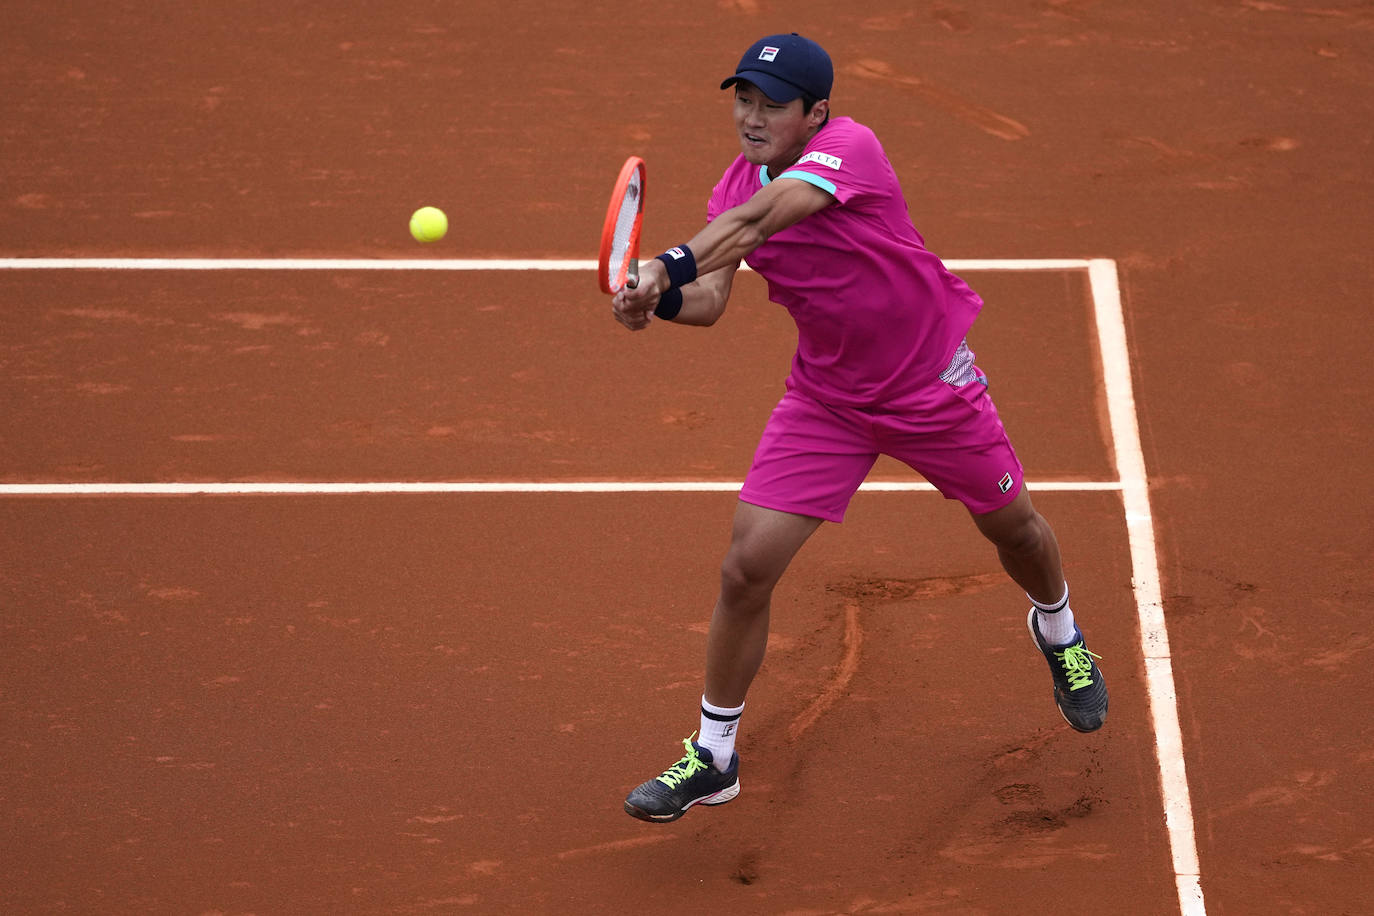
[825, 159]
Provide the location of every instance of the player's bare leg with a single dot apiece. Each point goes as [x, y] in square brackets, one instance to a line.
[762, 544]
[1029, 553]
[1027, 547]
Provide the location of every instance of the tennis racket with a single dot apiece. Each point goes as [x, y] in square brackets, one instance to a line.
[620, 233]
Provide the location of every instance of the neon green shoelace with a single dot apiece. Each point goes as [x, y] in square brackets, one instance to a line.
[685, 767]
[1078, 666]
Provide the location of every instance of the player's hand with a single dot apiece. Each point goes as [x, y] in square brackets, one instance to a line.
[634, 305]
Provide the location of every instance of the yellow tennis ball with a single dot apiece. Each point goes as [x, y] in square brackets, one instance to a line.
[428, 224]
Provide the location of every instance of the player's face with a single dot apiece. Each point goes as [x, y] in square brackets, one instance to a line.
[773, 133]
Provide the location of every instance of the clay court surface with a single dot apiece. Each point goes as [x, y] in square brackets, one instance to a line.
[347, 702]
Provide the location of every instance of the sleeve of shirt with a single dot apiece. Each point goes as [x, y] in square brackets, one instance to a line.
[715, 206]
[721, 194]
[841, 160]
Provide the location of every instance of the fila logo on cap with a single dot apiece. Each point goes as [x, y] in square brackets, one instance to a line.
[769, 52]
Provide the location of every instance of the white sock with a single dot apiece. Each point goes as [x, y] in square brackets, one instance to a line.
[1055, 621]
[718, 729]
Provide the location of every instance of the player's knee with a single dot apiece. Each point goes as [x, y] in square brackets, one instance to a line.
[1026, 540]
[1021, 534]
[744, 580]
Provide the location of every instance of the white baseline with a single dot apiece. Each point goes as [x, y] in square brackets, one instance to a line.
[491, 264]
[325, 488]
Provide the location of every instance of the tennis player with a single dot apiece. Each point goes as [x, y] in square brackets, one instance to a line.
[882, 367]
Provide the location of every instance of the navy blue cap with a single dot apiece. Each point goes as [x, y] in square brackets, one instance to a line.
[785, 67]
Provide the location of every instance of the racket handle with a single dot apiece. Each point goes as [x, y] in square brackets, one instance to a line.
[632, 273]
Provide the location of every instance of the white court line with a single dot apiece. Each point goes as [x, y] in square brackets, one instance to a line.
[1140, 531]
[549, 486]
[1130, 461]
[426, 264]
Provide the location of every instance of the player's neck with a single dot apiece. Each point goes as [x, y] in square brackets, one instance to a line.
[782, 164]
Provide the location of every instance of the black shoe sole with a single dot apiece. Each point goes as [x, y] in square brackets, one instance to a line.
[730, 792]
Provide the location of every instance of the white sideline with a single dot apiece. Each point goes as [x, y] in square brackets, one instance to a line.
[1140, 531]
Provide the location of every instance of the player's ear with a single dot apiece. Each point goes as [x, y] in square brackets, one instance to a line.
[819, 112]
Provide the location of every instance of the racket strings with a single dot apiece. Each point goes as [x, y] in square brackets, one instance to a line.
[625, 230]
[619, 254]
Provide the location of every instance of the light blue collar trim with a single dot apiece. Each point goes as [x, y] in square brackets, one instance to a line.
[826, 186]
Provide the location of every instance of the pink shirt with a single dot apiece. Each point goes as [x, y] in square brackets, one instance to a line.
[878, 316]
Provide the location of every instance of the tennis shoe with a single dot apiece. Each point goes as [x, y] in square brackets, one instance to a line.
[693, 780]
[1080, 692]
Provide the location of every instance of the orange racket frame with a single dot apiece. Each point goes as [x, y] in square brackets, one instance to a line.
[629, 268]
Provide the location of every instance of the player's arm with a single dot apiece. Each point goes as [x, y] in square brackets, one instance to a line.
[703, 302]
[732, 235]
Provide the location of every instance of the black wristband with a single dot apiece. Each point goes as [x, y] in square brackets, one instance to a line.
[669, 304]
[681, 265]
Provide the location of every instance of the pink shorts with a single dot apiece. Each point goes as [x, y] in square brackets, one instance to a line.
[812, 456]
